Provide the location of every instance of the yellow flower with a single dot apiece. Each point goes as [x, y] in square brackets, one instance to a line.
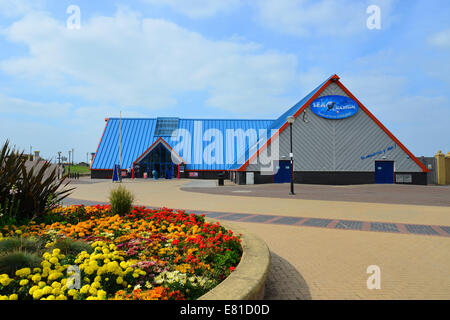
[23, 272]
[5, 281]
[61, 297]
[53, 260]
[54, 276]
[36, 278]
[56, 291]
[47, 290]
[51, 297]
[13, 297]
[37, 294]
[101, 294]
[23, 282]
[119, 280]
[85, 289]
[128, 270]
[89, 270]
[72, 292]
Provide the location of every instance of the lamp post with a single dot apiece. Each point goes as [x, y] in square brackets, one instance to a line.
[68, 164]
[291, 120]
[59, 164]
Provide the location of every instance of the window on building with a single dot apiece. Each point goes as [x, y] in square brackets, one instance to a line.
[165, 126]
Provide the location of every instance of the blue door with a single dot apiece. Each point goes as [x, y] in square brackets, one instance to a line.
[283, 174]
[384, 171]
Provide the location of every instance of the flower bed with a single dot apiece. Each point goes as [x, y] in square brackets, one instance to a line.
[146, 255]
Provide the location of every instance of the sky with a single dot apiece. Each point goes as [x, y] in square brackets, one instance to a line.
[239, 59]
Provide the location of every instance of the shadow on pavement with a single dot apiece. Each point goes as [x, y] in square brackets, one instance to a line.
[285, 282]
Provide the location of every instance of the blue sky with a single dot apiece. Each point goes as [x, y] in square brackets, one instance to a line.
[216, 58]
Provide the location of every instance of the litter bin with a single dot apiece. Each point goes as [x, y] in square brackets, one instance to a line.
[221, 177]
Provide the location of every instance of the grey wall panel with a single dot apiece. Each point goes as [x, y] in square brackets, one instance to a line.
[350, 144]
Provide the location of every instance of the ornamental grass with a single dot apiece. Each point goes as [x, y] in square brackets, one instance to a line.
[90, 253]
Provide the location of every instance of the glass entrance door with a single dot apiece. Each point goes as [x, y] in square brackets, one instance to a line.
[158, 163]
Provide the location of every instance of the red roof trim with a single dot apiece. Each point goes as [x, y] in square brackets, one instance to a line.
[420, 164]
[335, 78]
[159, 140]
[286, 124]
[98, 146]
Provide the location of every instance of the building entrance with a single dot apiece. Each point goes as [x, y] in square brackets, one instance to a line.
[157, 164]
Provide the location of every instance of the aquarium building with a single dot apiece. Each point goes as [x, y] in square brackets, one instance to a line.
[334, 139]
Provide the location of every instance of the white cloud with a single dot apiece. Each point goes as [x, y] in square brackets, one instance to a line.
[319, 17]
[440, 39]
[198, 8]
[130, 61]
[12, 105]
[417, 120]
[14, 8]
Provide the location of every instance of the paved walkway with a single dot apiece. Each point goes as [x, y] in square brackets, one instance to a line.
[375, 193]
[327, 261]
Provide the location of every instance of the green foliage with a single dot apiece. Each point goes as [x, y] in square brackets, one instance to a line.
[27, 193]
[20, 244]
[226, 260]
[72, 247]
[10, 262]
[9, 210]
[121, 200]
[72, 217]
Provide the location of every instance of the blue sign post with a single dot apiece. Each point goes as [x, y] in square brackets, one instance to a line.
[117, 177]
[334, 107]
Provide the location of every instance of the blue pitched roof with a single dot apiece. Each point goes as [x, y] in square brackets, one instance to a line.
[138, 134]
[278, 123]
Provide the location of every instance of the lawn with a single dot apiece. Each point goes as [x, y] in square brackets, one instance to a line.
[78, 169]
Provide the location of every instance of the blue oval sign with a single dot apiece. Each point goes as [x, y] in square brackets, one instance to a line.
[334, 107]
